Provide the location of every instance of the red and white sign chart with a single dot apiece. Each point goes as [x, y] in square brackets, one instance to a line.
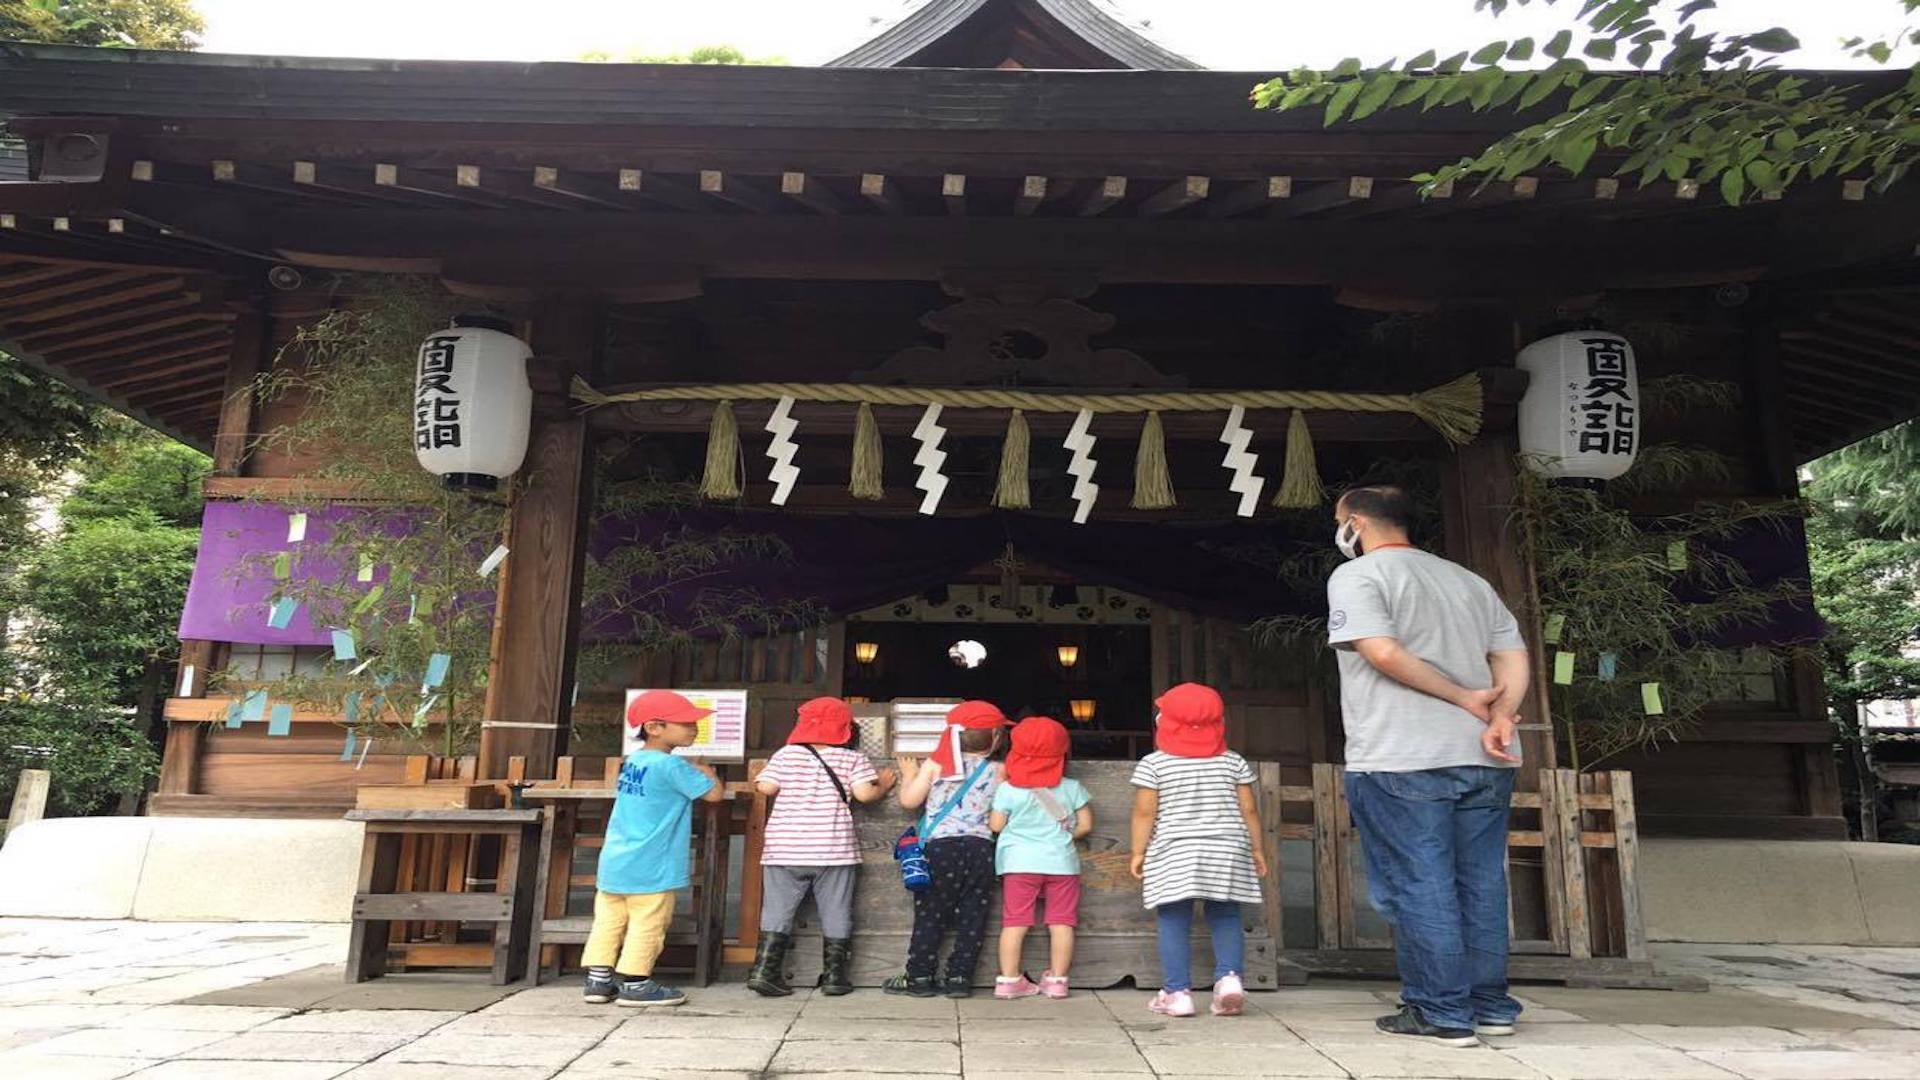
[723, 734]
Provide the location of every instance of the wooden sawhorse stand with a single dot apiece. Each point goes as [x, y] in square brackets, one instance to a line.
[509, 907]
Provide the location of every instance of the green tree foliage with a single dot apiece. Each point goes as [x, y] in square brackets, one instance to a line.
[133, 24]
[1876, 480]
[98, 604]
[1710, 106]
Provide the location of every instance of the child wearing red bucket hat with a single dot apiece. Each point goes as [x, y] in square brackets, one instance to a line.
[956, 785]
[1038, 813]
[1196, 831]
[648, 849]
[811, 844]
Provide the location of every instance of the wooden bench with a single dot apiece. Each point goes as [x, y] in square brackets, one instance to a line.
[377, 904]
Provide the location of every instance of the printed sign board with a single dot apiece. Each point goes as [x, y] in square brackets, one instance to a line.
[723, 735]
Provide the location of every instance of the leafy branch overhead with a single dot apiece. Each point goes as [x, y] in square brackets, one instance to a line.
[1692, 104]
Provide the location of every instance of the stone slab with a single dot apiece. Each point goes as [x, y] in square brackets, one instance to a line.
[297, 1046]
[542, 1051]
[1616, 1062]
[151, 1043]
[1722, 1038]
[1715, 1008]
[1117, 1057]
[231, 869]
[1888, 876]
[849, 1056]
[1818, 1064]
[1405, 1057]
[40, 877]
[1288, 1061]
[17, 1065]
[674, 1056]
[1754, 891]
[243, 1070]
[408, 1022]
[413, 1070]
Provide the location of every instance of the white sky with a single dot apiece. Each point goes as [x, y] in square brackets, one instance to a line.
[1222, 34]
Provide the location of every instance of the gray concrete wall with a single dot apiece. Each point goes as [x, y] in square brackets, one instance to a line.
[1780, 891]
[168, 869]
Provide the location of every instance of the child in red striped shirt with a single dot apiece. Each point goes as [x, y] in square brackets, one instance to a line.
[811, 843]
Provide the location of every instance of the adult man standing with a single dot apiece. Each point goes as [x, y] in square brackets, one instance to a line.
[1432, 670]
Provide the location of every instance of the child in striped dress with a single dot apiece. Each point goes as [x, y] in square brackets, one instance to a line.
[1196, 830]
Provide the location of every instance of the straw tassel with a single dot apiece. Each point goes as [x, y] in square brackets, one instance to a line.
[1300, 483]
[868, 458]
[1011, 492]
[1152, 484]
[722, 477]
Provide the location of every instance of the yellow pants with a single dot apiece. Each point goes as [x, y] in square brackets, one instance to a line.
[629, 926]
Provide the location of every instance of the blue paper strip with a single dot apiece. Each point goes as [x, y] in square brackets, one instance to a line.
[281, 722]
[436, 670]
[343, 648]
[255, 708]
[346, 752]
[233, 714]
[353, 712]
[282, 613]
[1609, 666]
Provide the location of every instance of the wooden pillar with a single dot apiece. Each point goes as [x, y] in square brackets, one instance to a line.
[249, 353]
[529, 697]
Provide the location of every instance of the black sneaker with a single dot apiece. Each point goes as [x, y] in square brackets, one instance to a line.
[601, 991]
[911, 986]
[645, 993]
[1408, 1021]
[957, 986]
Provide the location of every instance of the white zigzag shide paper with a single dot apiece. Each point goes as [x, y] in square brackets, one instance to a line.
[784, 472]
[930, 457]
[1242, 461]
[1080, 441]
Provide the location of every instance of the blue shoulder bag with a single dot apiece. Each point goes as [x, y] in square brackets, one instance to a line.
[910, 850]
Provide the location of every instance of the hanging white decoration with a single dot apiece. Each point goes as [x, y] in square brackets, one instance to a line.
[472, 403]
[1580, 418]
[930, 457]
[1237, 436]
[1080, 442]
[783, 473]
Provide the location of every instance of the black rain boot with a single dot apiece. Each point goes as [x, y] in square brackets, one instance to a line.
[836, 967]
[769, 977]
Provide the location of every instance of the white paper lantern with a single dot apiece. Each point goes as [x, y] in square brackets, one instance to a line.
[472, 403]
[1580, 418]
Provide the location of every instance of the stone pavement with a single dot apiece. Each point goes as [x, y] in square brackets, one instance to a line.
[255, 1001]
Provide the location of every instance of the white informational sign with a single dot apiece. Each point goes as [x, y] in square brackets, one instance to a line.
[723, 734]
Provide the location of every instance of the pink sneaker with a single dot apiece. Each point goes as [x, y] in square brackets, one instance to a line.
[1013, 989]
[1172, 1003]
[1054, 986]
[1229, 997]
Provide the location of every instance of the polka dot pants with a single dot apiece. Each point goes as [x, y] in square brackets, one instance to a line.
[963, 887]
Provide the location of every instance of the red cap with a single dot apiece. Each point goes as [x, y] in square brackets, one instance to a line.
[1193, 722]
[971, 716]
[1038, 758]
[664, 705]
[826, 720]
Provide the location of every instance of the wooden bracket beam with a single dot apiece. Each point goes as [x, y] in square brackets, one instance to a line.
[953, 188]
[1104, 196]
[1269, 193]
[737, 190]
[1181, 193]
[1033, 192]
[808, 191]
[660, 189]
[881, 192]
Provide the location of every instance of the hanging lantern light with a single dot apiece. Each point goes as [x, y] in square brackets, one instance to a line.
[1580, 418]
[1069, 655]
[866, 652]
[1083, 709]
[472, 403]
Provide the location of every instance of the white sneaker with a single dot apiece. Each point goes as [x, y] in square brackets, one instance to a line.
[1172, 1003]
[1229, 997]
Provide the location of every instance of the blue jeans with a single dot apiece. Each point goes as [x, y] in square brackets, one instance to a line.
[1176, 934]
[1436, 848]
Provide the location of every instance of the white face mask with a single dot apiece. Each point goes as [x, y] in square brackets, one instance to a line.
[1347, 539]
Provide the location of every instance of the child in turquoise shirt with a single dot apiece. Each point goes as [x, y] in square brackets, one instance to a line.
[647, 854]
[1038, 814]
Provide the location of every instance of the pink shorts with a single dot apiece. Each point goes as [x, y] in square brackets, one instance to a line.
[1019, 893]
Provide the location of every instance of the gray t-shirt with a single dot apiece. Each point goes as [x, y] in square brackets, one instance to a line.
[1442, 613]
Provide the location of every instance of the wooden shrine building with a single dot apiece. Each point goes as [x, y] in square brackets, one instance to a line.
[991, 194]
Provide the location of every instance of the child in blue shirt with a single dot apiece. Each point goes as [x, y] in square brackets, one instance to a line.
[1038, 813]
[647, 854]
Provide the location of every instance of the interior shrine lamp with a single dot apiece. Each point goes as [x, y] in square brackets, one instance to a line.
[472, 403]
[1580, 418]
